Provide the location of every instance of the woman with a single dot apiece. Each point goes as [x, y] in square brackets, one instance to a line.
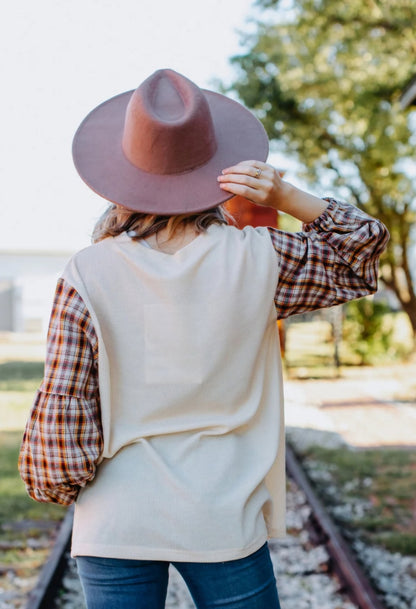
[161, 412]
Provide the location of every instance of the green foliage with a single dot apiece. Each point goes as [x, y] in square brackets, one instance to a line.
[289, 223]
[367, 331]
[326, 77]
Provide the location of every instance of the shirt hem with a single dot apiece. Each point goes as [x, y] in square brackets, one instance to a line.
[146, 553]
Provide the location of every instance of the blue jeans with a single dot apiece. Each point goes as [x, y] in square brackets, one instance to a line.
[245, 583]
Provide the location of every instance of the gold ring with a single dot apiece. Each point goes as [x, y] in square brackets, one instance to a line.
[258, 172]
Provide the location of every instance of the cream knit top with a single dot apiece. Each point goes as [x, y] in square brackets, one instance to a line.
[191, 398]
[179, 357]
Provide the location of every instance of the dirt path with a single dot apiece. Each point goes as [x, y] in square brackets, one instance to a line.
[366, 406]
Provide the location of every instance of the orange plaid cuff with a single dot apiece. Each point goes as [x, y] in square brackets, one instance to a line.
[333, 260]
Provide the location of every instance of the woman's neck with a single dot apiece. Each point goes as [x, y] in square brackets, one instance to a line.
[182, 236]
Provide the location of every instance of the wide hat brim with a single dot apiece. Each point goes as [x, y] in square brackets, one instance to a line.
[101, 163]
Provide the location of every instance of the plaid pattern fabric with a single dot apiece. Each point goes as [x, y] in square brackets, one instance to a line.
[63, 438]
[333, 260]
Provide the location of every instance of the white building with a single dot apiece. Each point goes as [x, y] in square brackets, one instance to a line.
[27, 285]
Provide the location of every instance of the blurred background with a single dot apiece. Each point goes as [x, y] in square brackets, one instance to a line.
[335, 86]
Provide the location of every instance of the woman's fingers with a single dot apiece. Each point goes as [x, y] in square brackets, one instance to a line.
[253, 169]
[243, 191]
[252, 180]
[239, 178]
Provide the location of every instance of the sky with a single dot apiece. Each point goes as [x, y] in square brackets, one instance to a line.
[62, 58]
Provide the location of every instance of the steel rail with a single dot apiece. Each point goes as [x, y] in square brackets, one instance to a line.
[356, 583]
[43, 594]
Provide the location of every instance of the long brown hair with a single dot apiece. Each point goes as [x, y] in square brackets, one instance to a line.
[116, 220]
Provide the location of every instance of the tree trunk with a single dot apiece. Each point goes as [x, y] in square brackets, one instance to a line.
[408, 303]
[410, 309]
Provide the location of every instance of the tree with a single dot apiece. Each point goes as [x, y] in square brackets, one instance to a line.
[325, 77]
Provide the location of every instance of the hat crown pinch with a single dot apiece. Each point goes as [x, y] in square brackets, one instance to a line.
[168, 125]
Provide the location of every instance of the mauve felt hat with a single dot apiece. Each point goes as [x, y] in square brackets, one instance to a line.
[160, 148]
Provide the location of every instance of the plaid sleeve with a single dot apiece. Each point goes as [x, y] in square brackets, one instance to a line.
[333, 260]
[63, 440]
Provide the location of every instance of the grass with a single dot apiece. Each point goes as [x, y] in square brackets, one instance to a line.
[370, 493]
[21, 371]
[20, 517]
[310, 351]
[14, 501]
[19, 381]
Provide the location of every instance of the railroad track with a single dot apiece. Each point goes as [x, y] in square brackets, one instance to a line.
[355, 582]
[331, 559]
[50, 579]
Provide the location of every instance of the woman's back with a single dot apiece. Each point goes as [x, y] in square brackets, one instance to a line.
[184, 341]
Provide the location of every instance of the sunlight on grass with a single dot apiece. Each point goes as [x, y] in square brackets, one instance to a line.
[14, 501]
[19, 381]
[378, 486]
[21, 518]
[14, 409]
